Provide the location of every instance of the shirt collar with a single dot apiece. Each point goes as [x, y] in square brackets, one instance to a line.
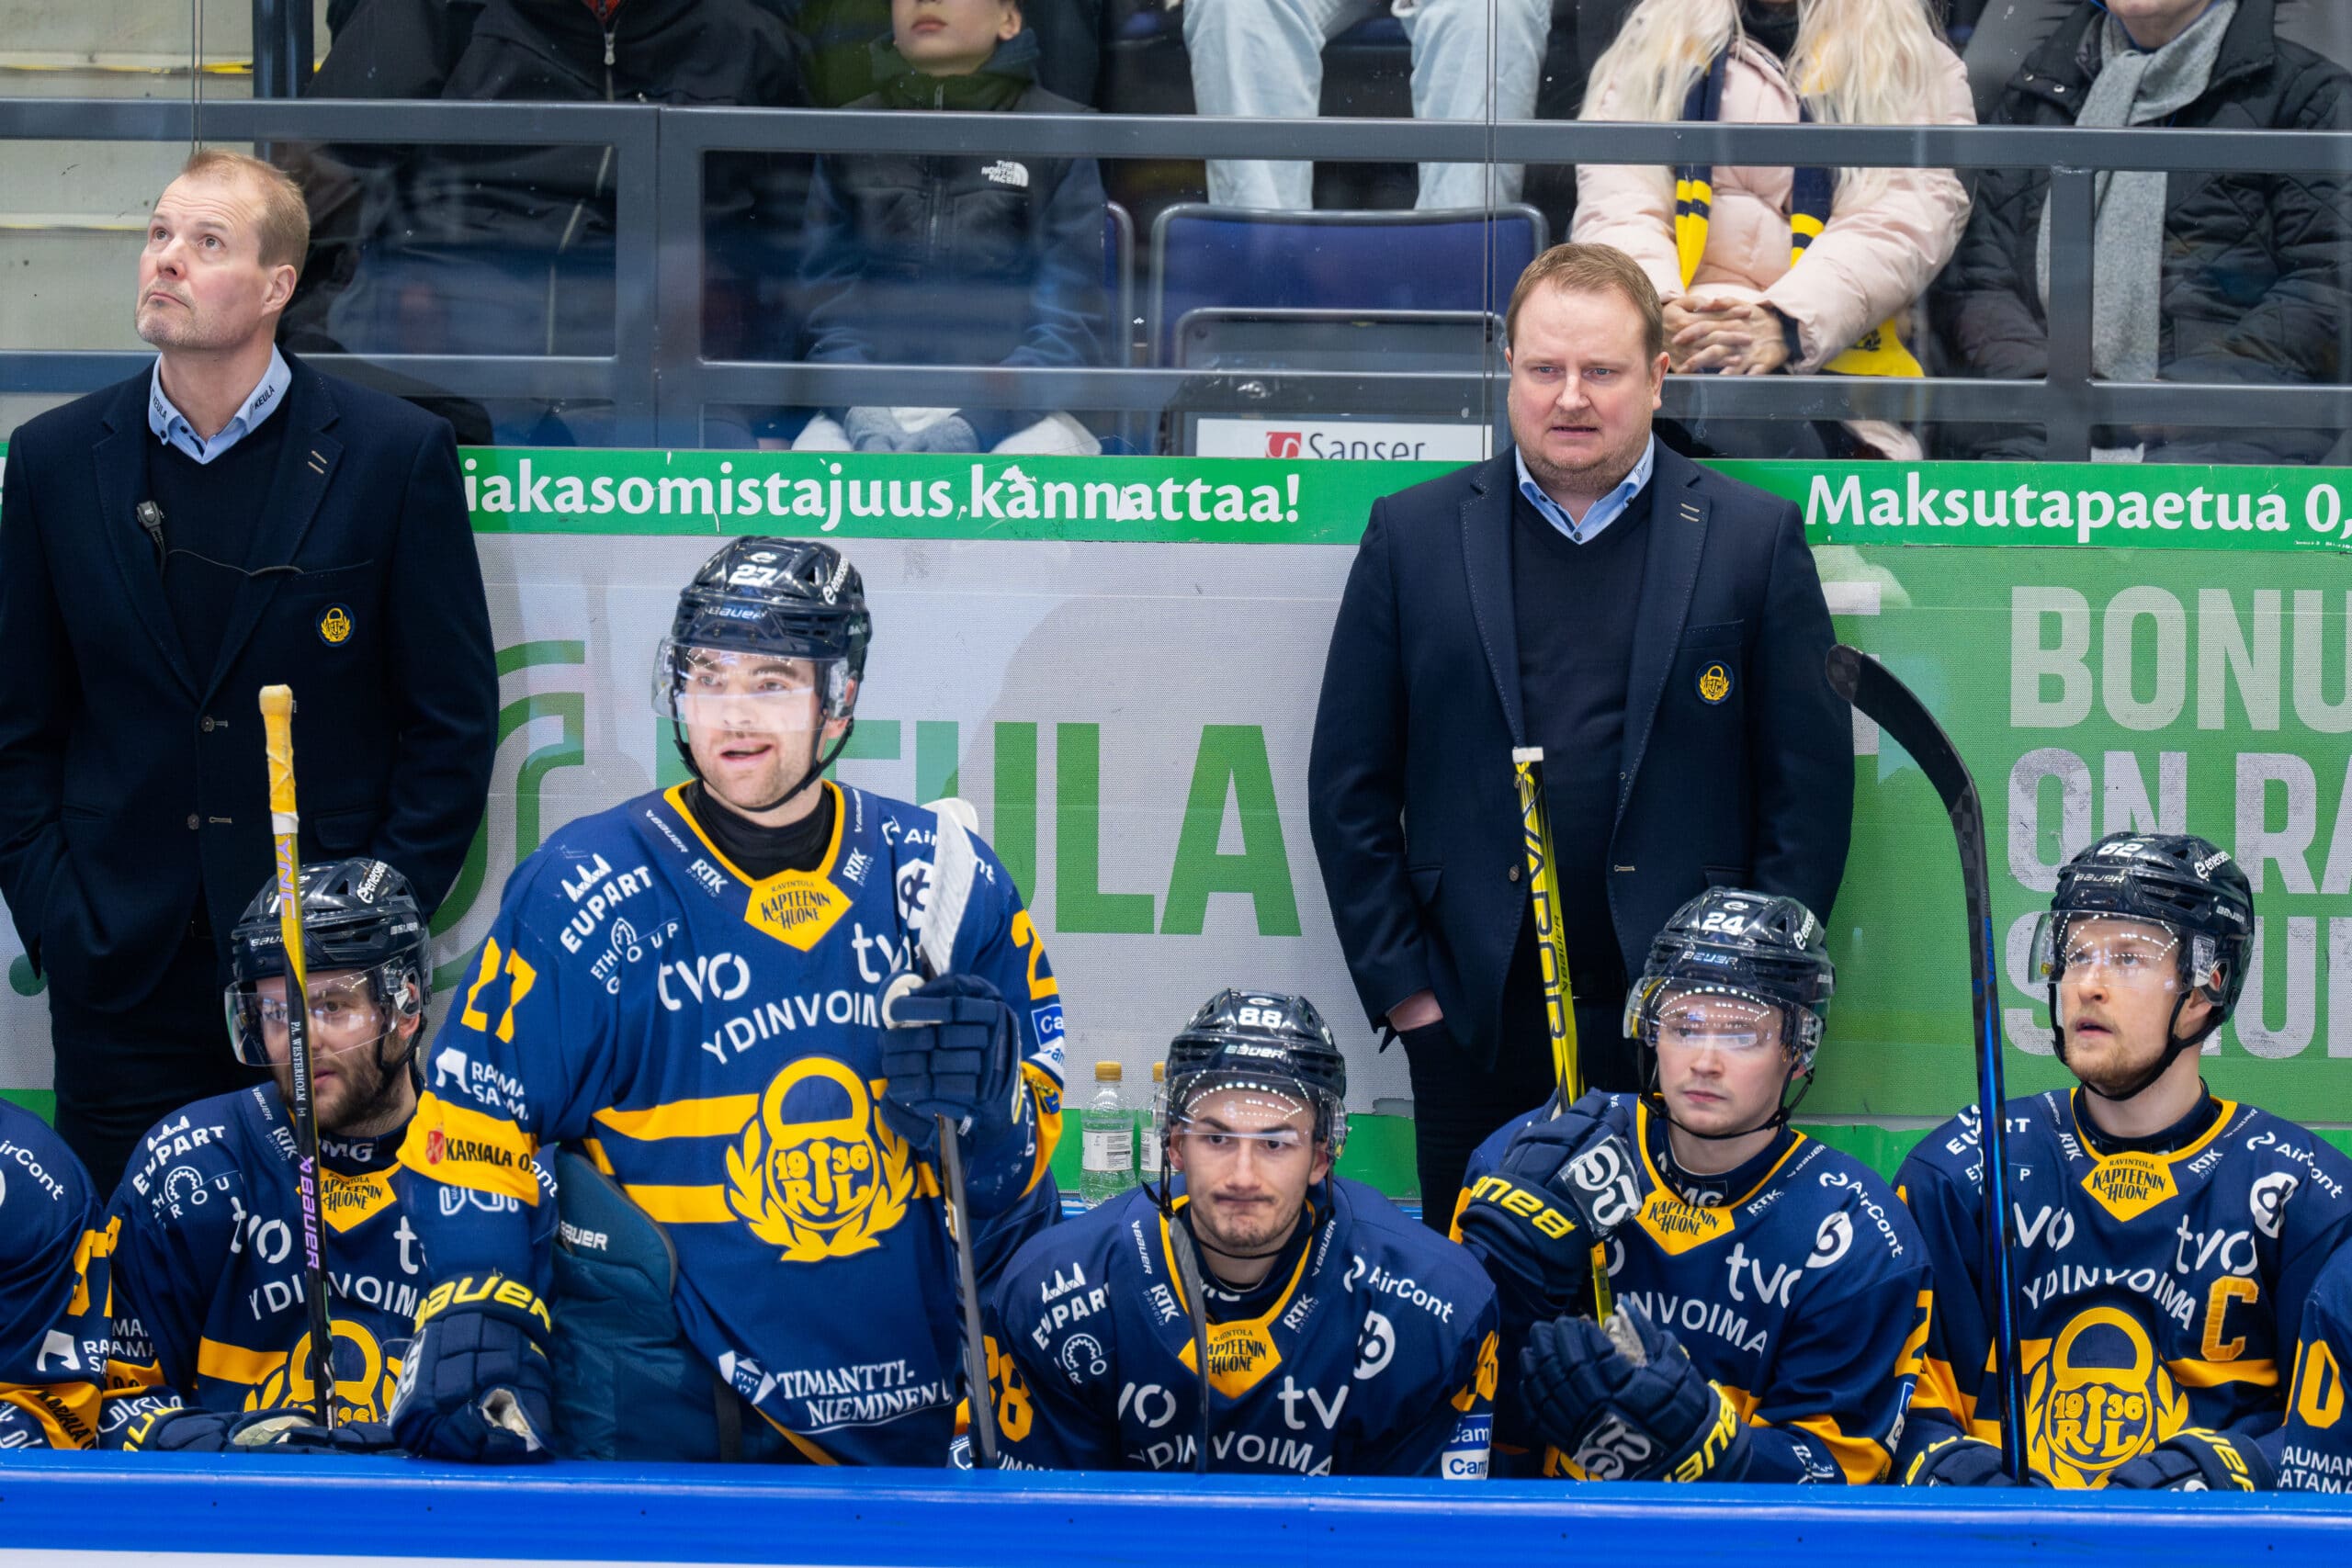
[172, 427]
[1604, 512]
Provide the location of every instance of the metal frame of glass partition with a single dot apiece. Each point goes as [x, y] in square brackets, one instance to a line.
[658, 384]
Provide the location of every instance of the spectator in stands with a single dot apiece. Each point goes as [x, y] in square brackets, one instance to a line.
[2011, 30]
[510, 249]
[1769, 270]
[972, 260]
[2229, 277]
[1472, 59]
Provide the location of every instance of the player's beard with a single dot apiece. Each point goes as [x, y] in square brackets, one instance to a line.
[1252, 1232]
[362, 1099]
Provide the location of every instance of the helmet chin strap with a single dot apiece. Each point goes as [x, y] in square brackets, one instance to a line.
[2175, 1043]
[815, 769]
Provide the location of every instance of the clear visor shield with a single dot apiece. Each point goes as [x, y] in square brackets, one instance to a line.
[345, 1014]
[761, 693]
[1216, 1117]
[2138, 956]
[1678, 1015]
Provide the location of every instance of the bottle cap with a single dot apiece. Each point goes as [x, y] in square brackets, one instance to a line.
[1107, 1072]
[1159, 1072]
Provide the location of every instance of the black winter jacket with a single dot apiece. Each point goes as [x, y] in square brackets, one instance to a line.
[963, 260]
[2251, 290]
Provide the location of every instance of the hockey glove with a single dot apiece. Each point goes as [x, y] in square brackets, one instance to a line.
[291, 1428]
[1626, 1403]
[948, 1050]
[1564, 1186]
[2197, 1459]
[476, 1385]
[876, 429]
[1960, 1462]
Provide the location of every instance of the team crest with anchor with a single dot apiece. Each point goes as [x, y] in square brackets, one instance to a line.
[818, 1172]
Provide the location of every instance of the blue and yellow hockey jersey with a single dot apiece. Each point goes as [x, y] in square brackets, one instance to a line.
[1375, 1356]
[54, 1336]
[211, 1297]
[2158, 1290]
[2314, 1448]
[1795, 1283]
[714, 1042]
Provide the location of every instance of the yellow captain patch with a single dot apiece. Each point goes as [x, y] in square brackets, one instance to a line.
[2129, 1184]
[335, 626]
[347, 1201]
[818, 1173]
[796, 907]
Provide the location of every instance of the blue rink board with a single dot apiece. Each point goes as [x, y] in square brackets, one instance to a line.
[255, 1508]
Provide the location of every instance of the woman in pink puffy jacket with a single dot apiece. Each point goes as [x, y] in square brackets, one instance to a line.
[1775, 269]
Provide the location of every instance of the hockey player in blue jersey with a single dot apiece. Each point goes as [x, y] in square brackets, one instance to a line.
[53, 1337]
[2166, 1241]
[2315, 1445]
[211, 1296]
[1340, 1337]
[1769, 1290]
[688, 987]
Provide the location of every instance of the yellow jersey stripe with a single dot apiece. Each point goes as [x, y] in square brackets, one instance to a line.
[683, 1205]
[2193, 1373]
[722, 1116]
[234, 1363]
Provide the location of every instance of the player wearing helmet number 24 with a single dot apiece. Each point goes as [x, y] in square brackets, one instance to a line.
[210, 1313]
[2169, 1243]
[1769, 1290]
[1342, 1337]
[688, 988]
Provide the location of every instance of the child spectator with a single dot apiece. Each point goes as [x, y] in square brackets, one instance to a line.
[963, 260]
[1766, 270]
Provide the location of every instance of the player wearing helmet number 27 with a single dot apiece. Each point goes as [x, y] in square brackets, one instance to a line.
[1341, 1337]
[1771, 1291]
[210, 1309]
[2170, 1244]
[689, 989]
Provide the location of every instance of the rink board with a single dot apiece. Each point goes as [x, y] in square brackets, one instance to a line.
[68, 1510]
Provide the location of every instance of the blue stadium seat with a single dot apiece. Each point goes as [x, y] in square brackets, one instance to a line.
[1210, 256]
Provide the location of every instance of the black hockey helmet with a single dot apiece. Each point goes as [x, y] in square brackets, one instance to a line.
[359, 918]
[2185, 884]
[1261, 1040]
[1757, 949]
[788, 598]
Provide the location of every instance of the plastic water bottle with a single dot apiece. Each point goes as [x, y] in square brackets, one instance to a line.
[1147, 1166]
[1107, 1140]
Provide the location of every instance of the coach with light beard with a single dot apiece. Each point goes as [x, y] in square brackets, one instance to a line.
[227, 520]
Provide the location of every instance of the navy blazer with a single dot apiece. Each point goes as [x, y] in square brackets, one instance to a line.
[1411, 793]
[126, 776]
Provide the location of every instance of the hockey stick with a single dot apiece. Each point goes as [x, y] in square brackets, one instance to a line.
[1196, 1306]
[1551, 951]
[277, 734]
[1894, 708]
[954, 864]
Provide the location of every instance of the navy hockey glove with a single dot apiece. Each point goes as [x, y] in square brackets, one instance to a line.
[1626, 1403]
[947, 1049]
[1960, 1461]
[291, 1429]
[2197, 1459]
[1563, 1186]
[476, 1385]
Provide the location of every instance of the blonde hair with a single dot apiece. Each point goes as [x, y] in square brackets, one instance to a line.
[1855, 61]
[284, 226]
[1592, 269]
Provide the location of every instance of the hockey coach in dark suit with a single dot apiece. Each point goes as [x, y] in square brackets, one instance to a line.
[1656, 628]
[227, 520]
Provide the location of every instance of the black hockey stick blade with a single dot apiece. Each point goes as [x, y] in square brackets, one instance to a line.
[1889, 704]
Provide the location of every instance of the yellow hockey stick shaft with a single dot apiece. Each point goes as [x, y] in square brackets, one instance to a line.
[1551, 955]
[285, 826]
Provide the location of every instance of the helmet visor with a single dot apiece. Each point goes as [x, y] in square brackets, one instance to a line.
[2133, 953]
[1216, 1108]
[763, 694]
[347, 1012]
